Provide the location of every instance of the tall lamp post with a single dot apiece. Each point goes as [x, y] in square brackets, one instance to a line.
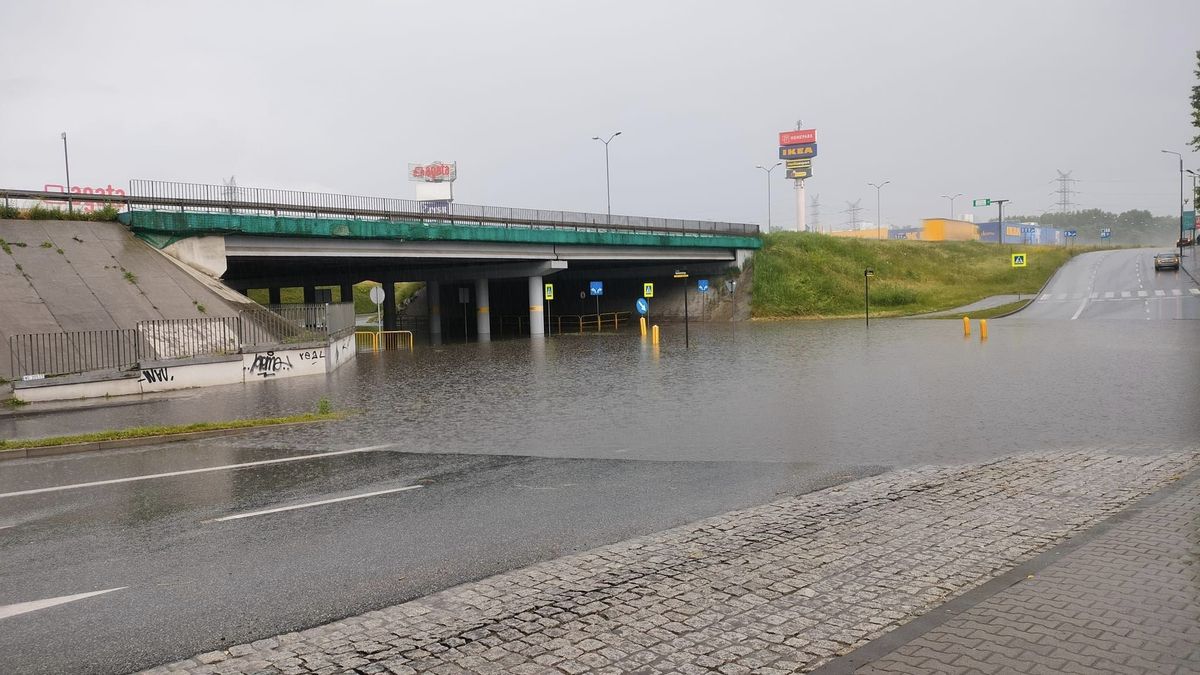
[67, 162]
[878, 217]
[768, 171]
[1180, 242]
[952, 198]
[1194, 177]
[607, 182]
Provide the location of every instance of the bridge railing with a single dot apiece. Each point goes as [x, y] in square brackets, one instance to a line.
[51, 354]
[236, 199]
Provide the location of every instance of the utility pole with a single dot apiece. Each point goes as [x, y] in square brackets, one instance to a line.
[815, 213]
[1172, 152]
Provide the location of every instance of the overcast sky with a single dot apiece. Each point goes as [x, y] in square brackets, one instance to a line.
[975, 96]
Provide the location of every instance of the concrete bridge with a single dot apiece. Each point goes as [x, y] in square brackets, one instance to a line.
[476, 260]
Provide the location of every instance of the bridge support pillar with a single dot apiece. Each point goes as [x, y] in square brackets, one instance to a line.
[483, 313]
[389, 304]
[537, 327]
[346, 294]
[273, 295]
[310, 295]
[433, 298]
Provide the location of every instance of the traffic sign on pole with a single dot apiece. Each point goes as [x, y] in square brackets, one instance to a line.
[1019, 260]
[549, 291]
[702, 285]
[643, 306]
[595, 288]
[647, 290]
[981, 202]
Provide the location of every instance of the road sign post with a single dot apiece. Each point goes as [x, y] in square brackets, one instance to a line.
[549, 309]
[683, 275]
[647, 292]
[596, 289]
[377, 298]
[1019, 260]
[867, 274]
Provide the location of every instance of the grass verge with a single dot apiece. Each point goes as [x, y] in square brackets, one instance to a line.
[143, 432]
[989, 313]
[814, 275]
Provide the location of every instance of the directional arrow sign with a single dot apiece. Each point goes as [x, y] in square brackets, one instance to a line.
[643, 306]
[702, 285]
[596, 288]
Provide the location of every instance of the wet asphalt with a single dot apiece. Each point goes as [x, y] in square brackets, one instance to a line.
[525, 452]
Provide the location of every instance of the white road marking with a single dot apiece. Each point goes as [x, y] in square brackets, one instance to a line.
[1126, 294]
[1159, 292]
[1176, 291]
[23, 607]
[1142, 294]
[1109, 294]
[264, 512]
[1045, 297]
[1094, 295]
[225, 467]
[1194, 291]
[1062, 296]
[1080, 310]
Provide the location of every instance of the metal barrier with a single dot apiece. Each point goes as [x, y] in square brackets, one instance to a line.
[385, 340]
[162, 339]
[335, 319]
[51, 354]
[262, 327]
[267, 201]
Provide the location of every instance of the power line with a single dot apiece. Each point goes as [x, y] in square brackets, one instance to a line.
[853, 209]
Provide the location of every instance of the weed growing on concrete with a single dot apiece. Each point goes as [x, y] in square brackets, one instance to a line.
[6, 246]
[13, 402]
[199, 307]
[59, 251]
[46, 244]
[324, 407]
[130, 277]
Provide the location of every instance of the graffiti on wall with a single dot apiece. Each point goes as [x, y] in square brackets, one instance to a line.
[269, 365]
[153, 375]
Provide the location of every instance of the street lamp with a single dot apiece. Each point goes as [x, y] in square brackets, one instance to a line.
[1180, 242]
[607, 182]
[67, 162]
[952, 198]
[878, 218]
[775, 166]
[1194, 177]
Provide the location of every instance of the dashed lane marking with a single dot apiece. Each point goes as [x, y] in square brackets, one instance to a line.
[169, 474]
[32, 606]
[264, 512]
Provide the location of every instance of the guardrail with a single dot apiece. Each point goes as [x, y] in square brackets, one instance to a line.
[561, 323]
[151, 194]
[164, 339]
[336, 319]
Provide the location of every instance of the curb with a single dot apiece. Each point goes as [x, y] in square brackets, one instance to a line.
[1043, 288]
[72, 448]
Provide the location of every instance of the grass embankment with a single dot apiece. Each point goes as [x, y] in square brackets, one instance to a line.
[362, 295]
[814, 275]
[144, 432]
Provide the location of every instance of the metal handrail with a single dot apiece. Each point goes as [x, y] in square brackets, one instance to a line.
[237, 199]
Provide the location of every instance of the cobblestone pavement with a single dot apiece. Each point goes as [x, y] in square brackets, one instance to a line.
[1127, 601]
[782, 587]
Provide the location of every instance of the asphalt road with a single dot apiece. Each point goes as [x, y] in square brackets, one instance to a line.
[189, 582]
[1120, 284]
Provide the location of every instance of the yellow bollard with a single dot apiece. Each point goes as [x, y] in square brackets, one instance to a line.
[654, 335]
[982, 330]
[966, 326]
[643, 321]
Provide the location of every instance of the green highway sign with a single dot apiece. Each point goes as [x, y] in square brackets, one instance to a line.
[981, 202]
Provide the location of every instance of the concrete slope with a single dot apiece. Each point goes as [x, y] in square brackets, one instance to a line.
[75, 276]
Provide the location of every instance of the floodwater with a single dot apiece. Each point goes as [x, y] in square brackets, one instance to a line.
[900, 392]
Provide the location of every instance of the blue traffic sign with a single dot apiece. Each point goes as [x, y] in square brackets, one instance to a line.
[596, 288]
[643, 306]
[702, 285]
[1071, 233]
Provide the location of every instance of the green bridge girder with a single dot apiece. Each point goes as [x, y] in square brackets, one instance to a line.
[161, 228]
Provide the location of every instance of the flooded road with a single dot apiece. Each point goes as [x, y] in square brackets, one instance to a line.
[899, 393]
[466, 460]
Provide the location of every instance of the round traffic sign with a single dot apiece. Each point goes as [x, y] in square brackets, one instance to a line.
[377, 295]
[643, 306]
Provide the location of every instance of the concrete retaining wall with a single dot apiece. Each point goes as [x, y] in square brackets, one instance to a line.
[171, 375]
